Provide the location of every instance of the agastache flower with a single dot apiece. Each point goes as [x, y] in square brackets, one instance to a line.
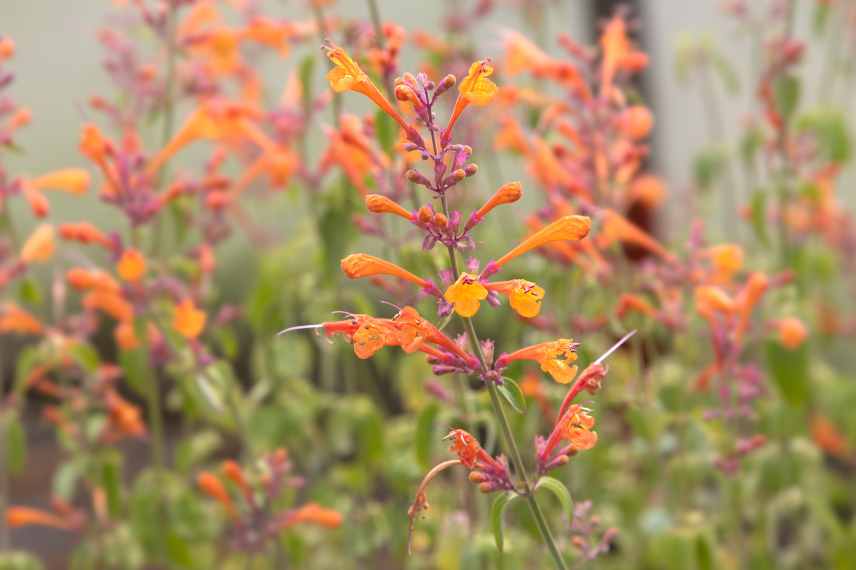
[507, 194]
[555, 357]
[378, 204]
[347, 75]
[566, 228]
[524, 296]
[360, 265]
[466, 294]
[489, 473]
[474, 89]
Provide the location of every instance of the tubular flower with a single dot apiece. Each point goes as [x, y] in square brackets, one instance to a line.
[91, 279]
[792, 332]
[211, 486]
[132, 265]
[618, 228]
[466, 294]
[711, 300]
[465, 446]
[755, 287]
[347, 75]
[15, 320]
[523, 296]
[40, 246]
[26, 516]
[378, 204]
[83, 232]
[359, 265]
[556, 358]
[72, 180]
[110, 303]
[577, 426]
[566, 228]
[371, 335]
[474, 89]
[507, 194]
[314, 513]
[188, 320]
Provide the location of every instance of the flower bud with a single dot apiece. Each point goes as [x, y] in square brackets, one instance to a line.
[440, 220]
[378, 204]
[417, 178]
[425, 214]
[477, 477]
[445, 84]
[471, 169]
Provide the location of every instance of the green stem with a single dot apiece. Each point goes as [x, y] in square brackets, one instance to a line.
[505, 428]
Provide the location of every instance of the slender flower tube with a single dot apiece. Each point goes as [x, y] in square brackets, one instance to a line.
[360, 265]
[566, 228]
[378, 204]
[507, 194]
[556, 358]
[474, 89]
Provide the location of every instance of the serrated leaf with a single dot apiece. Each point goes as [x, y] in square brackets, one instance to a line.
[789, 369]
[425, 428]
[512, 394]
[560, 492]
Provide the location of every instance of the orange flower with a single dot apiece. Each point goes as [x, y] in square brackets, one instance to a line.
[727, 259]
[465, 446]
[556, 358]
[132, 265]
[466, 294]
[15, 320]
[25, 516]
[748, 297]
[710, 300]
[277, 163]
[40, 246]
[618, 53]
[211, 486]
[71, 180]
[474, 89]
[577, 426]
[566, 228]
[371, 335]
[523, 296]
[630, 302]
[235, 474]
[83, 232]
[37, 202]
[647, 189]
[378, 204]
[507, 194]
[792, 332]
[636, 122]
[91, 279]
[618, 228]
[360, 265]
[347, 75]
[188, 320]
[316, 514]
[828, 437]
[124, 417]
[7, 48]
[110, 303]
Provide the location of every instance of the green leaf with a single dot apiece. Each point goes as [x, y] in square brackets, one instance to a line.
[789, 369]
[29, 293]
[786, 92]
[512, 394]
[306, 74]
[704, 554]
[385, 131]
[425, 434]
[16, 443]
[829, 128]
[708, 166]
[560, 492]
[758, 216]
[111, 481]
[497, 512]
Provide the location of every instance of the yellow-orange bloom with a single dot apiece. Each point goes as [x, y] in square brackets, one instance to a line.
[618, 228]
[132, 265]
[556, 358]
[566, 228]
[636, 122]
[359, 265]
[524, 296]
[577, 426]
[83, 232]
[466, 294]
[710, 300]
[88, 279]
[727, 259]
[474, 89]
[828, 437]
[72, 180]
[378, 204]
[347, 75]
[188, 320]
[110, 303]
[13, 319]
[372, 335]
[40, 246]
[792, 332]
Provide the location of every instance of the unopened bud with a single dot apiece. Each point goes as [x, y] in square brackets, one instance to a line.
[471, 169]
[404, 93]
[430, 85]
[486, 488]
[424, 214]
[477, 477]
[459, 174]
[417, 178]
[378, 204]
[440, 220]
[445, 84]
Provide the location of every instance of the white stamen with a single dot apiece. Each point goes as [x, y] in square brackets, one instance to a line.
[298, 328]
[615, 347]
